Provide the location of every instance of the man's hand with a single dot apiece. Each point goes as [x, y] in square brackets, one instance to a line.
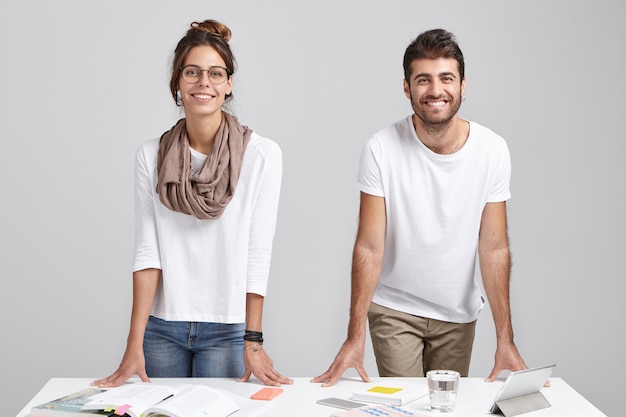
[350, 356]
[507, 357]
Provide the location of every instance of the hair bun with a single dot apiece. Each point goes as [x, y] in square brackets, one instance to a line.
[213, 27]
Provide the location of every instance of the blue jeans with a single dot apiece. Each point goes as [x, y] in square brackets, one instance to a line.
[175, 349]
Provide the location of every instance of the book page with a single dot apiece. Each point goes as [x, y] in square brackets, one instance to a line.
[133, 399]
[196, 401]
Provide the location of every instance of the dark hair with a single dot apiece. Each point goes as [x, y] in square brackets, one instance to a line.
[433, 44]
[208, 33]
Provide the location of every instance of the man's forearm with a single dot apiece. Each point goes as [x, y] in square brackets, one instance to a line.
[495, 267]
[366, 266]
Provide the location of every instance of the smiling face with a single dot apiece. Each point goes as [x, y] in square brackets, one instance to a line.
[435, 89]
[204, 98]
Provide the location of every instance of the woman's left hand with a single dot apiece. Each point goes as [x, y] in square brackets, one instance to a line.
[259, 364]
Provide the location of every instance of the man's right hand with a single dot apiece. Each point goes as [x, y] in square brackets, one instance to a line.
[350, 356]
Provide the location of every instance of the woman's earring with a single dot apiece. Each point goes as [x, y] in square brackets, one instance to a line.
[463, 98]
[179, 100]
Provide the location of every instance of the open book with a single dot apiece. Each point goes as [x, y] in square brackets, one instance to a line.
[172, 400]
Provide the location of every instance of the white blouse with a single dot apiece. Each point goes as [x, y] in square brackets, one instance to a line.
[209, 265]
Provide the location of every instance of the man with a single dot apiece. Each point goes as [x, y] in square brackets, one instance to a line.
[433, 194]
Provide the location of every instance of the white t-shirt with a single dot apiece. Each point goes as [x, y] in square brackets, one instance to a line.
[434, 205]
[209, 265]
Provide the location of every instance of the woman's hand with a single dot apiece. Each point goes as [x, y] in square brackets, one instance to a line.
[259, 364]
[133, 363]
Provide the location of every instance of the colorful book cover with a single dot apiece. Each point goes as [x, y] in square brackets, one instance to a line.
[68, 406]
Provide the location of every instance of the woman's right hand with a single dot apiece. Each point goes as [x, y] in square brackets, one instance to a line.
[133, 363]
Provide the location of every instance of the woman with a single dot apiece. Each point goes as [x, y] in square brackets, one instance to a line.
[206, 201]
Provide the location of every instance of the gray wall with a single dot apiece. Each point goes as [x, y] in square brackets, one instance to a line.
[84, 83]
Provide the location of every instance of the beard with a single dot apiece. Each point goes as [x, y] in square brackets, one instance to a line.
[435, 122]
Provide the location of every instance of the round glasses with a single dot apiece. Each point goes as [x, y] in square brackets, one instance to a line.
[193, 73]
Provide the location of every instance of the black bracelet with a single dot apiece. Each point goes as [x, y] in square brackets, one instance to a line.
[252, 336]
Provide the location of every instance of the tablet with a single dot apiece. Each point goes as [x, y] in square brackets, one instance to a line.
[523, 382]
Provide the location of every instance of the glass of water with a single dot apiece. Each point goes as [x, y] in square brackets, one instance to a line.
[443, 386]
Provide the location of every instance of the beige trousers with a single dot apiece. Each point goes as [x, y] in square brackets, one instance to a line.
[409, 346]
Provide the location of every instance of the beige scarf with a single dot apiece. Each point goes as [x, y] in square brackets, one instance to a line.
[206, 193]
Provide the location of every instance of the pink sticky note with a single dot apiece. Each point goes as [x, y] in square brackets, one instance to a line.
[121, 410]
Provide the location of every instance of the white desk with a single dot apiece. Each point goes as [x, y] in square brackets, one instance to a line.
[299, 400]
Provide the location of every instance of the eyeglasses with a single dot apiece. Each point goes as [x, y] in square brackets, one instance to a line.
[192, 74]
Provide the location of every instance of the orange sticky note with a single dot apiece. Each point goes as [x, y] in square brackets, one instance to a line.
[266, 393]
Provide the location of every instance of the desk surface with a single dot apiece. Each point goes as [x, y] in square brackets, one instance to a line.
[474, 398]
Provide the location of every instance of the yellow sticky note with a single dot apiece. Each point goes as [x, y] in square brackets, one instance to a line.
[384, 390]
